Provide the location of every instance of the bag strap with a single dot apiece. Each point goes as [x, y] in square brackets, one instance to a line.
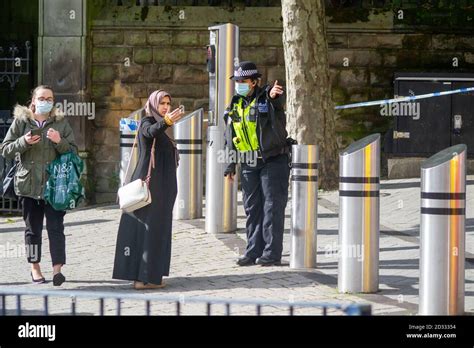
[151, 164]
[152, 158]
[131, 151]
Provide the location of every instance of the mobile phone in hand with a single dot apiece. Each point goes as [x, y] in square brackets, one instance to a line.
[37, 131]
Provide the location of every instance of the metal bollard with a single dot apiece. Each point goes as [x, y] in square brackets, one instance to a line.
[188, 137]
[442, 232]
[304, 206]
[359, 207]
[128, 130]
[221, 193]
[221, 214]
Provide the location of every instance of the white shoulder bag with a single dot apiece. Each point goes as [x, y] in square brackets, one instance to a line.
[136, 194]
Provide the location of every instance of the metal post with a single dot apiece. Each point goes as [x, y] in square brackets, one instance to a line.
[188, 137]
[359, 207]
[119, 307]
[4, 305]
[101, 306]
[128, 130]
[442, 232]
[46, 307]
[304, 206]
[148, 308]
[18, 305]
[221, 193]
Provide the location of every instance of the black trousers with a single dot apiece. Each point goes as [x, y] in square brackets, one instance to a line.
[265, 195]
[34, 212]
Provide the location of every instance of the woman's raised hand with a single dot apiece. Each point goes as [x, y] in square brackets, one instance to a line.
[175, 115]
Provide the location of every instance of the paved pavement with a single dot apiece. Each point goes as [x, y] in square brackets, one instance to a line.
[204, 264]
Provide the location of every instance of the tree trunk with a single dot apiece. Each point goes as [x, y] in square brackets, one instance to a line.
[310, 110]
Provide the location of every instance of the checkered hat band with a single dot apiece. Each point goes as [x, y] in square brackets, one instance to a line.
[243, 73]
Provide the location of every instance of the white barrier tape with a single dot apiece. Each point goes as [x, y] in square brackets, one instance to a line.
[403, 99]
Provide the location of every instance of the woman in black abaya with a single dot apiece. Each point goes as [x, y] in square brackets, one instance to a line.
[143, 250]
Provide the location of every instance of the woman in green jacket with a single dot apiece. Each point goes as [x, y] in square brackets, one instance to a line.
[34, 153]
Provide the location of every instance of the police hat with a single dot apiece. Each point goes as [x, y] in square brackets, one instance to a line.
[246, 70]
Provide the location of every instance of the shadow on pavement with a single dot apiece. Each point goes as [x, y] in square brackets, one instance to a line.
[272, 279]
[398, 185]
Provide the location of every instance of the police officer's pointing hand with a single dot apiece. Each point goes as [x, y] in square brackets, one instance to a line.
[276, 90]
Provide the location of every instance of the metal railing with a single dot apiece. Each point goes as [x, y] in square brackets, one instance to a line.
[7, 205]
[15, 62]
[178, 302]
[13, 65]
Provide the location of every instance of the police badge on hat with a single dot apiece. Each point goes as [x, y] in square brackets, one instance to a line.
[246, 70]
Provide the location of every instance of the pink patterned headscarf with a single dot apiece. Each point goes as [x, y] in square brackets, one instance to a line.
[151, 108]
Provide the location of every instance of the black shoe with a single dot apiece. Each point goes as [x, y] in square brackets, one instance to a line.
[58, 279]
[262, 261]
[245, 261]
[37, 281]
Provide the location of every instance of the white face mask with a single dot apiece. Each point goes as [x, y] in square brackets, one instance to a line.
[43, 107]
[242, 88]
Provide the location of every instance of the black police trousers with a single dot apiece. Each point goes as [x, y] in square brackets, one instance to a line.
[265, 195]
[34, 212]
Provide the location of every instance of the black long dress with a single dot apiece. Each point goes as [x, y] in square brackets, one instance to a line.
[143, 250]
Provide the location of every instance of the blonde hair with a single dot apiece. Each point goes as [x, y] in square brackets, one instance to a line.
[33, 94]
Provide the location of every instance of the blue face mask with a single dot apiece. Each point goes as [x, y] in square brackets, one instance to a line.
[242, 88]
[43, 107]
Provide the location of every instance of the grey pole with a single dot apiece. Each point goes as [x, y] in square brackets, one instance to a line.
[304, 206]
[442, 232]
[128, 130]
[221, 193]
[188, 137]
[359, 206]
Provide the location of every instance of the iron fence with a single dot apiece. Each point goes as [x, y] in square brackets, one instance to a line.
[7, 205]
[179, 303]
[15, 63]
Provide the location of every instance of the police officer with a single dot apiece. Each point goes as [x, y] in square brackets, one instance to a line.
[256, 128]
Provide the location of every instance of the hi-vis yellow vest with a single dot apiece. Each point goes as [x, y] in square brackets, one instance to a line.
[245, 127]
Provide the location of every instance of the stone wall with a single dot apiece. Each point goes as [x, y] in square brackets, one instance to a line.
[374, 57]
[169, 53]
